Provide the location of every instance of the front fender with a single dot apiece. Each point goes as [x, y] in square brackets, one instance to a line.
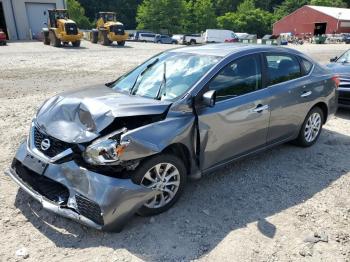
[154, 138]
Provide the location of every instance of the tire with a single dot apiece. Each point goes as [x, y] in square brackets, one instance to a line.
[46, 38]
[192, 42]
[54, 41]
[76, 43]
[121, 43]
[176, 182]
[94, 37]
[105, 40]
[311, 128]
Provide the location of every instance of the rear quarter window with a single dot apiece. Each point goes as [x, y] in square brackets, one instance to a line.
[307, 65]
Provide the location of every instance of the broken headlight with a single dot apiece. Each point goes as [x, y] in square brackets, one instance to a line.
[106, 150]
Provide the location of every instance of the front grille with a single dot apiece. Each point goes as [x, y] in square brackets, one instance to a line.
[45, 186]
[89, 209]
[344, 82]
[71, 29]
[117, 29]
[56, 146]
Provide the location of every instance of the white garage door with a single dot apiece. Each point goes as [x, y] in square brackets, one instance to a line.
[37, 15]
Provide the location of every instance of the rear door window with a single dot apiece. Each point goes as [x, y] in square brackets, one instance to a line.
[281, 68]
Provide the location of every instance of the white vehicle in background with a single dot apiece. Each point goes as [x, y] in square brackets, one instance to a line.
[146, 37]
[193, 39]
[218, 35]
[179, 39]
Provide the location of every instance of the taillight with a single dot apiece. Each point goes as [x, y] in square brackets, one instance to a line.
[336, 80]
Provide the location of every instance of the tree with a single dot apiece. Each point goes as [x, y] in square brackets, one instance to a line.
[248, 19]
[287, 7]
[161, 14]
[199, 16]
[77, 13]
[125, 9]
[333, 3]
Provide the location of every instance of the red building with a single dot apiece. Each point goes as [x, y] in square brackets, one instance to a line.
[314, 20]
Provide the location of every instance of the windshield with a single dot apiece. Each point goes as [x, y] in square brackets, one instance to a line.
[166, 76]
[344, 58]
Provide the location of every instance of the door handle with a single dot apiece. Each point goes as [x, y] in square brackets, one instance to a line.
[260, 108]
[306, 94]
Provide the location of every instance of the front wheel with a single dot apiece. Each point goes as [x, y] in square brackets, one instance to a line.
[54, 40]
[121, 43]
[76, 43]
[311, 128]
[164, 173]
[94, 37]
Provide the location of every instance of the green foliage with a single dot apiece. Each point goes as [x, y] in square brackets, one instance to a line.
[125, 10]
[161, 14]
[287, 7]
[77, 13]
[199, 16]
[333, 3]
[248, 18]
[194, 16]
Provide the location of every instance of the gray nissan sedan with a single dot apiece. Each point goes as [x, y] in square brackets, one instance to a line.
[100, 155]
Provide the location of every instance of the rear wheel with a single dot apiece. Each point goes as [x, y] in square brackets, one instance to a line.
[311, 128]
[54, 41]
[76, 43]
[164, 173]
[121, 43]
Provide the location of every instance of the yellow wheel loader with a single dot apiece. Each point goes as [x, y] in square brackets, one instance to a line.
[108, 30]
[61, 30]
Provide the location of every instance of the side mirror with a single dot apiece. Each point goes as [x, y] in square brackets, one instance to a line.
[333, 59]
[209, 98]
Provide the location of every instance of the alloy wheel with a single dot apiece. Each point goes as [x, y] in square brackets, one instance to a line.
[164, 177]
[312, 127]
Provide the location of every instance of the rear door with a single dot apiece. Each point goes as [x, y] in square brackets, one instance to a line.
[291, 92]
[238, 123]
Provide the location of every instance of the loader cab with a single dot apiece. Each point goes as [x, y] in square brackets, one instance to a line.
[108, 16]
[55, 15]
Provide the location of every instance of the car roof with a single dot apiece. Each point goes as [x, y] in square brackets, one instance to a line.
[226, 49]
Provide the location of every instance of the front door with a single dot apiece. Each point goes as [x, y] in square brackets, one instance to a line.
[238, 123]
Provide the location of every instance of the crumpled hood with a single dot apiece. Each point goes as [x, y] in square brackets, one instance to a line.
[79, 116]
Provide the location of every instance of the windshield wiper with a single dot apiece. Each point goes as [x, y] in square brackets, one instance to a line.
[162, 84]
[141, 74]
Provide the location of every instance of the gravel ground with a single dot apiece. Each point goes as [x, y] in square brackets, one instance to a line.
[286, 204]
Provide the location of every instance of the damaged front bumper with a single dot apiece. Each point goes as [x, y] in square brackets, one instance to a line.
[72, 191]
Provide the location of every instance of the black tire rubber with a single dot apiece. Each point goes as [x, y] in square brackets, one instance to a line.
[94, 36]
[192, 42]
[121, 43]
[301, 141]
[76, 43]
[147, 164]
[46, 38]
[54, 41]
[105, 40]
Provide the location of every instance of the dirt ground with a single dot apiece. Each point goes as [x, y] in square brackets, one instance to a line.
[268, 207]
